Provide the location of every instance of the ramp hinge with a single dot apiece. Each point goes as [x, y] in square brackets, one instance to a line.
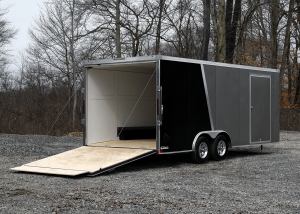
[158, 88]
[159, 123]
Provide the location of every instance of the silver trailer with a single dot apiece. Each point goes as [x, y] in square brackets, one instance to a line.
[135, 107]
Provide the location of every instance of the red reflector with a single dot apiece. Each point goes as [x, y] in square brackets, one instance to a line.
[157, 107]
[159, 151]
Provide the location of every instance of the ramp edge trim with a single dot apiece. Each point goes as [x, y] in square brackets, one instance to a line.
[118, 147]
[111, 168]
[15, 168]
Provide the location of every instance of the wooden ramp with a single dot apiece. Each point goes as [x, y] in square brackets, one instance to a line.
[93, 159]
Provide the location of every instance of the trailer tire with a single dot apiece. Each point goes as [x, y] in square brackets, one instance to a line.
[218, 148]
[201, 152]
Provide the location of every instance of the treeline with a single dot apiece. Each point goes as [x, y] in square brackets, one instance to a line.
[263, 33]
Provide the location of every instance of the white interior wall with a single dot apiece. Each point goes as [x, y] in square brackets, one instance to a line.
[111, 96]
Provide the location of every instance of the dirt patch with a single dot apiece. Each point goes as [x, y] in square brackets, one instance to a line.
[14, 192]
[75, 134]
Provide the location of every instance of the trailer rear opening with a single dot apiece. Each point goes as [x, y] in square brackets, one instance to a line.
[111, 94]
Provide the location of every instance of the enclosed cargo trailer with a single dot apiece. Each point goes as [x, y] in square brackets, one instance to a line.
[167, 105]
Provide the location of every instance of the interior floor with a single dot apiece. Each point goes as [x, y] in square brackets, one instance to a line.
[132, 144]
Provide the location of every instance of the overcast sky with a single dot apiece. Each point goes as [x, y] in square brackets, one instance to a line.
[21, 14]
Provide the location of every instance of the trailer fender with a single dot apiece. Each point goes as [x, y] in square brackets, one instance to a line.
[211, 135]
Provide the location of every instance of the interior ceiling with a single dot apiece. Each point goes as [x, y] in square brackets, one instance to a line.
[138, 67]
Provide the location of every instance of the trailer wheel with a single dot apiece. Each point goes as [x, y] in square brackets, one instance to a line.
[218, 148]
[201, 153]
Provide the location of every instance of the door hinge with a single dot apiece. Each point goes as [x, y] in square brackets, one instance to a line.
[83, 90]
[159, 123]
[83, 121]
[158, 88]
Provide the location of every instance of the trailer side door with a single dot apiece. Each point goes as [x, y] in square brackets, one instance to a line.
[260, 109]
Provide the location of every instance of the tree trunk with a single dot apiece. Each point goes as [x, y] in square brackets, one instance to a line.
[286, 43]
[228, 18]
[206, 30]
[231, 27]
[73, 63]
[274, 25]
[297, 92]
[157, 46]
[118, 31]
[289, 76]
[221, 32]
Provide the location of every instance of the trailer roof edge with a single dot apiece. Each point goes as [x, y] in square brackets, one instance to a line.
[115, 61]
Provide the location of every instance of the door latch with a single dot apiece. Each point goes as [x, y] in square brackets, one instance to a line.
[159, 123]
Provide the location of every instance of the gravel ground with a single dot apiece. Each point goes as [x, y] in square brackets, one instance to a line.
[248, 181]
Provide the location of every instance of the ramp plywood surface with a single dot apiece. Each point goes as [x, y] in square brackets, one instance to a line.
[133, 144]
[86, 159]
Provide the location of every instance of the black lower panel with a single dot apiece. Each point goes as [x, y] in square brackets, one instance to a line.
[136, 133]
[199, 115]
[184, 103]
[174, 132]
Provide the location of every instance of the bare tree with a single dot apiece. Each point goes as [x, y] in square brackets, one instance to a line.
[138, 22]
[297, 38]
[58, 35]
[274, 13]
[286, 41]
[7, 33]
[107, 17]
[158, 30]
[232, 20]
[182, 29]
[206, 29]
[219, 25]
[221, 32]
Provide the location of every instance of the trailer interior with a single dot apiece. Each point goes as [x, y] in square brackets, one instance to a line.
[121, 103]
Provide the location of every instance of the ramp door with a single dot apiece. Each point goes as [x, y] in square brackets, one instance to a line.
[93, 159]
